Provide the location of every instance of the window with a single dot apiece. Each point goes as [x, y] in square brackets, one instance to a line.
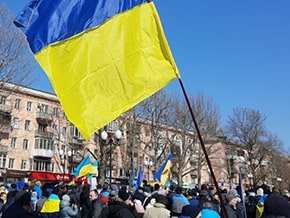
[15, 123]
[13, 142]
[26, 126]
[25, 144]
[2, 160]
[41, 127]
[45, 144]
[42, 108]
[75, 132]
[11, 163]
[3, 99]
[55, 112]
[17, 103]
[29, 106]
[23, 164]
[64, 131]
[45, 166]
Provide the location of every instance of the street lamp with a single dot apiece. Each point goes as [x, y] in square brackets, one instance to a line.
[279, 180]
[250, 176]
[148, 164]
[65, 156]
[112, 135]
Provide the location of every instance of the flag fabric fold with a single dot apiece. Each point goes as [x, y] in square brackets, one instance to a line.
[162, 174]
[139, 178]
[84, 168]
[105, 56]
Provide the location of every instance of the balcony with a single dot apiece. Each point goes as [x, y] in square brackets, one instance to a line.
[5, 109]
[38, 152]
[76, 159]
[41, 134]
[76, 141]
[43, 117]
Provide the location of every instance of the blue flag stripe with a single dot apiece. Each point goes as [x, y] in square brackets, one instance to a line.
[46, 22]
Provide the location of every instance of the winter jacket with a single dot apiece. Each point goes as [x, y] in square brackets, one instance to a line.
[96, 208]
[120, 210]
[67, 211]
[159, 210]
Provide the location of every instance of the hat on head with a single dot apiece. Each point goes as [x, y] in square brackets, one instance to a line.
[203, 193]
[276, 205]
[260, 192]
[179, 190]
[65, 197]
[123, 195]
[190, 210]
[38, 183]
[208, 213]
[23, 198]
[230, 197]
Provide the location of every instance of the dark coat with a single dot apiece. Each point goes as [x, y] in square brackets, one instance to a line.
[96, 208]
[84, 203]
[120, 210]
[16, 211]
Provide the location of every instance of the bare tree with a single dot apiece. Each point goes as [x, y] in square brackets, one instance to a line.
[247, 127]
[188, 154]
[16, 61]
[155, 111]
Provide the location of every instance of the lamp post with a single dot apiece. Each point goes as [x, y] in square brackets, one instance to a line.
[250, 176]
[108, 139]
[148, 164]
[65, 156]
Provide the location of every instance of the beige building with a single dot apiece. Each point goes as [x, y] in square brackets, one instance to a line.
[38, 142]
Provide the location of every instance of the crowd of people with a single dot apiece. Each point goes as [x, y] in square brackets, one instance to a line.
[105, 201]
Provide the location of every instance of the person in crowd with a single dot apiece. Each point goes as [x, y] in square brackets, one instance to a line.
[122, 206]
[170, 194]
[178, 201]
[11, 194]
[20, 208]
[260, 198]
[37, 188]
[3, 197]
[216, 202]
[276, 206]
[189, 211]
[40, 202]
[33, 199]
[51, 207]
[155, 191]
[96, 207]
[84, 200]
[203, 198]
[231, 205]
[68, 210]
[192, 197]
[159, 209]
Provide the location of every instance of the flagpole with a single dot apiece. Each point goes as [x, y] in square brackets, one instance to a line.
[203, 147]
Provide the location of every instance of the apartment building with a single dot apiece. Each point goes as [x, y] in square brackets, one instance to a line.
[37, 140]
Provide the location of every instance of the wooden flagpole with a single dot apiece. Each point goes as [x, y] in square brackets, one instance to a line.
[203, 148]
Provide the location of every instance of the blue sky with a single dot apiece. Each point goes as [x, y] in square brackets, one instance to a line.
[236, 52]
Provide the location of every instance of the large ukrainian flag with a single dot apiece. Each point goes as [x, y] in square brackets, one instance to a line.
[102, 57]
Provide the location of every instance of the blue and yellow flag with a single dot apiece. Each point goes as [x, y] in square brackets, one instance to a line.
[51, 205]
[94, 169]
[162, 174]
[139, 178]
[84, 168]
[105, 56]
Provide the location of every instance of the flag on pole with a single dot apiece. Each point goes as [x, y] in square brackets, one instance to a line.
[139, 178]
[162, 174]
[84, 168]
[105, 56]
